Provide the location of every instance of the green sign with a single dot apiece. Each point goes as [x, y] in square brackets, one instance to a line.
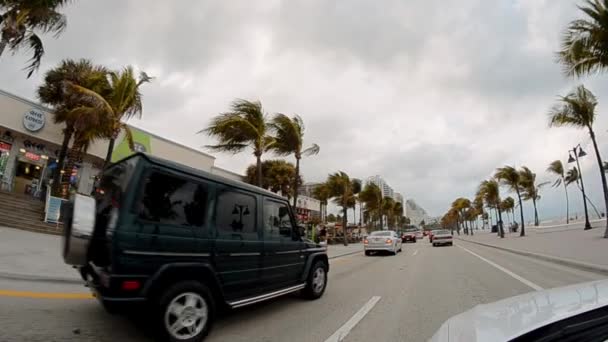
[141, 142]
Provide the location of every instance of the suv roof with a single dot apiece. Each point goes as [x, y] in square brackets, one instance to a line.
[200, 173]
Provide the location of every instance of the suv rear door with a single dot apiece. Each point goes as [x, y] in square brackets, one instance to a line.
[238, 243]
[284, 258]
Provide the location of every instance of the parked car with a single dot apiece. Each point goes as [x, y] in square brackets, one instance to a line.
[409, 235]
[571, 313]
[442, 237]
[186, 242]
[382, 241]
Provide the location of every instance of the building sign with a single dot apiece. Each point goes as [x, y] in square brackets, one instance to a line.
[5, 147]
[33, 120]
[32, 156]
[141, 143]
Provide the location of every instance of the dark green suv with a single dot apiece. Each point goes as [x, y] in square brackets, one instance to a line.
[184, 242]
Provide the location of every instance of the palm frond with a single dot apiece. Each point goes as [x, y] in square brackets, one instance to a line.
[313, 149]
[35, 44]
[128, 136]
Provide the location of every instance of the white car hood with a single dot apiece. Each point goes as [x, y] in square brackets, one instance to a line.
[512, 317]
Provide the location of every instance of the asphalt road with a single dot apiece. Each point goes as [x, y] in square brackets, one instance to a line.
[390, 298]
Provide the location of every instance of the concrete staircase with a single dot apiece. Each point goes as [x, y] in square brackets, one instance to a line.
[24, 212]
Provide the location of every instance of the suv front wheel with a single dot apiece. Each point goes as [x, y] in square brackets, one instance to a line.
[316, 281]
[185, 312]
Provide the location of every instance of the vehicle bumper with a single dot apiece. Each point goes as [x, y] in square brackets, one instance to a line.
[379, 248]
[105, 287]
[408, 238]
[442, 241]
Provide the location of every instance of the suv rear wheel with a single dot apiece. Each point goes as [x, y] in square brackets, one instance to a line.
[185, 312]
[317, 281]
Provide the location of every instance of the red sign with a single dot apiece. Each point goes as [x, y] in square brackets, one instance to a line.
[32, 156]
[5, 147]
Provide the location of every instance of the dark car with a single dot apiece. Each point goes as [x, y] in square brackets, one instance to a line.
[409, 235]
[184, 242]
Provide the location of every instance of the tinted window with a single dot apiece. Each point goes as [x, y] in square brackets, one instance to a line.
[236, 214]
[171, 200]
[277, 222]
[382, 233]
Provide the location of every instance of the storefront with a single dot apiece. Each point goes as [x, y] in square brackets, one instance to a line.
[30, 142]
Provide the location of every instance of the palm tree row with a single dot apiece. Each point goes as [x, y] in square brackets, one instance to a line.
[584, 51]
[92, 102]
[247, 125]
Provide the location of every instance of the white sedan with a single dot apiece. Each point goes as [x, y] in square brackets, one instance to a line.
[382, 240]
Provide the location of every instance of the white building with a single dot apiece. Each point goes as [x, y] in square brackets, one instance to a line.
[398, 197]
[30, 142]
[386, 189]
[415, 213]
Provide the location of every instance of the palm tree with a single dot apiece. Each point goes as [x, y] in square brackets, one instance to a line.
[508, 204]
[584, 45]
[356, 191]
[245, 125]
[557, 168]
[340, 189]
[577, 109]
[371, 195]
[68, 107]
[19, 21]
[461, 205]
[121, 101]
[573, 176]
[388, 205]
[289, 139]
[490, 191]
[321, 193]
[531, 190]
[509, 177]
[398, 213]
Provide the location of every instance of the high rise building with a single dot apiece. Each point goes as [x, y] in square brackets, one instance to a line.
[386, 189]
[307, 189]
[415, 213]
[398, 197]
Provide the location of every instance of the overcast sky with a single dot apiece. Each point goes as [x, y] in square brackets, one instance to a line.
[432, 95]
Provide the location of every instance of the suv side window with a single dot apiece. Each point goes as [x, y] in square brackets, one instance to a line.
[277, 221]
[236, 215]
[168, 199]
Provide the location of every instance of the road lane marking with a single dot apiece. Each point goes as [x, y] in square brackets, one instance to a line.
[341, 333]
[518, 277]
[415, 252]
[45, 295]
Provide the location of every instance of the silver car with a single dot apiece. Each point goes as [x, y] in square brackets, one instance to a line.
[382, 240]
[442, 237]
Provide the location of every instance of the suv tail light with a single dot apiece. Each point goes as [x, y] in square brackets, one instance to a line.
[130, 285]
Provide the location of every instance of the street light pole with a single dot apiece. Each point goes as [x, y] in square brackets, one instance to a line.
[580, 153]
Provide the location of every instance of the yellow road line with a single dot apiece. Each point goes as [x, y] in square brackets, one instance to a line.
[45, 295]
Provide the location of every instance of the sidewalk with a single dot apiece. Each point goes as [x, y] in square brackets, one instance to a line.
[575, 247]
[26, 255]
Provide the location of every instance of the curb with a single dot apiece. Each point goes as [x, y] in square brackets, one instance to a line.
[47, 279]
[561, 261]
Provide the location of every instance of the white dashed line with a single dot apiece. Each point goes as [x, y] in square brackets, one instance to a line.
[415, 252]
[341, 333]
[520, 278]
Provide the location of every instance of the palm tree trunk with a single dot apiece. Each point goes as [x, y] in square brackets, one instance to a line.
[69, 167]
[295, 183]
[67, 136]
[258, 161]
[536, 223]
[501, 230]
[592, 206]
[602, 174]
[108, 160]
[344, 221]
[521, 212]
[567, 205]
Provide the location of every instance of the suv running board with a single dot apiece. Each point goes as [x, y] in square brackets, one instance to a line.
[261, 298]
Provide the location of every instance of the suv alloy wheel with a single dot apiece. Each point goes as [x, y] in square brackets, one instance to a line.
[317, 281]
[185, 312]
